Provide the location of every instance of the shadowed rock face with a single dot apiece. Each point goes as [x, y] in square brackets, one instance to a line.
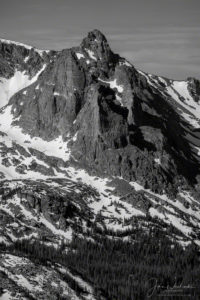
[194, 88]
[52, 103]
[121, 118]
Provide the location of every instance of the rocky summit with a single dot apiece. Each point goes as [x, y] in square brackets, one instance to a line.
[91, 148]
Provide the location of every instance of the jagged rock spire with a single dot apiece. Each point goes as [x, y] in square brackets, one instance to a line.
[97, 43]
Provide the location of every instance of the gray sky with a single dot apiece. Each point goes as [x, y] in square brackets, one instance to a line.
[157, 36]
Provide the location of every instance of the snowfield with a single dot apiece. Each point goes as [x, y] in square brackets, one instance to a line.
[190, 110]
[19, 81]
[172, 209]
[14, 133]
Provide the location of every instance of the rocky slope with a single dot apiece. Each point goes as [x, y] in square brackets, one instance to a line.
[88, 141]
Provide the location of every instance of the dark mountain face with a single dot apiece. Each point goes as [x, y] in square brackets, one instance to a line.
[92, 147]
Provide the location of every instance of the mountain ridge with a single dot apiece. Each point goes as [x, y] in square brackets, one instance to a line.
[91, 147]
[80, 81]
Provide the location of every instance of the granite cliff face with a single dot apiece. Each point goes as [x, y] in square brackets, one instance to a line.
[88, 142]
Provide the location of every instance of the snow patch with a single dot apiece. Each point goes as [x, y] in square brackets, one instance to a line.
[67, 235]
[162, 80]
[3, 240]
[182, 89]
[157, 160]
[6, 296]
[80, 282]
[80, 55]
[56, 147]
[179, 92]
[91, 54]
[19, 81]
[110, 205]
[125, 63]
[26, 59]
[113, 85]
[75, 137]
[198, 150]
[56, 94]
[171, 214]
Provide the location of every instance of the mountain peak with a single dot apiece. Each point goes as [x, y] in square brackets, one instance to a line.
[97, 42]
[95, 36]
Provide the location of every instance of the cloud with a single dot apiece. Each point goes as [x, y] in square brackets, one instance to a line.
[168, 51]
